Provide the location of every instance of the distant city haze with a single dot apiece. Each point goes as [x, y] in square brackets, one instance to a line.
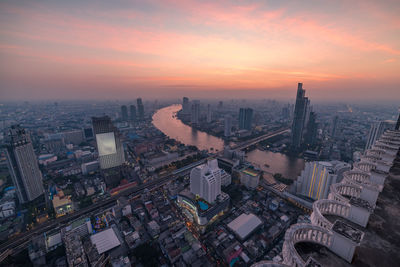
[340, 50]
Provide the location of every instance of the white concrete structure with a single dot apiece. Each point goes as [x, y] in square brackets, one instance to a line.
[376, 130]
[244, 225]
[317, 177]
[342, 241]
[205, 181]
[226, 178]
[353, 199]
[105, 241]
[250, 178]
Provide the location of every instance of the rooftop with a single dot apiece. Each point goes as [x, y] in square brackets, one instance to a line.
[348, 231]
[358, 202]
[244, 224]
[251, 172]
[105, 240]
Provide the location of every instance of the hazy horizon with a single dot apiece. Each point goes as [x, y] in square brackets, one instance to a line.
[96, 50]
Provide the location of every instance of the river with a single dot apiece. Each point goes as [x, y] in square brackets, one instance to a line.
[165, 120]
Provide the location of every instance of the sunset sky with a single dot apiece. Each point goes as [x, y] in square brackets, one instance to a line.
[340, 50]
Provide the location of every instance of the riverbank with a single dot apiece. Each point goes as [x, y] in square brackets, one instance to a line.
[166, 121]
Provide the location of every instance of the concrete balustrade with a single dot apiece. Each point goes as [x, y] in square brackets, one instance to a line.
[324, 207]
[303, 233]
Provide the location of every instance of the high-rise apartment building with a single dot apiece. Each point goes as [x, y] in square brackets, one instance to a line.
[311, 134]
[317, 177]
[109, 145]
[300, 116]
[195, 112]
[140, 108]
[205, 181]
[209, 117]
[133, 112]
[376, 130]
[335, 125]
[185, 106]
[245, 118]
[23, 165]
[228, 126]
[124, 113]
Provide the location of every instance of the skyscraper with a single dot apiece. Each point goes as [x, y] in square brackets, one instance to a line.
[228, 125]
[397, 127]
[195, 112]
[245, 118]
[109, 145]
[311, 134]
[124, 113]
[300, 113]
[23, 165]
[133, 112]
[205, 181]
[140, 108]
[209, 117]
[185, 106]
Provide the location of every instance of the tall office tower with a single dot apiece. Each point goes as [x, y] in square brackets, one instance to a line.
[195, 112]
[133, 112]
[109, 145]
[245, 118]
[376, 130]
[124, 113]
[286, 112]
[209, 117]
[228, 126]
[300, 113]
[220, 104]
[311, 134]
[335, 126]
[317, 177]
[397, 127]
[205, 181]
[185, 106]
[140, 108]
[23, 165]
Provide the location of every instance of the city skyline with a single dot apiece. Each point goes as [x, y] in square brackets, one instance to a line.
[59, 50]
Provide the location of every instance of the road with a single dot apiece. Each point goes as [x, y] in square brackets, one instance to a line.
[20, 241]
[23, 239]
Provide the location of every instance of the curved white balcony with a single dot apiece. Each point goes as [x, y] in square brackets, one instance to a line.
[381, 153]
[343, 192]
[365, 166]
[324, 207]
[388, 149]
[371, 158]
[362, 178]
[303, 232]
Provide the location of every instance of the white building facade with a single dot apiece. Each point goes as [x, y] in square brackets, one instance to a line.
[317, 177]
[205, 181]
